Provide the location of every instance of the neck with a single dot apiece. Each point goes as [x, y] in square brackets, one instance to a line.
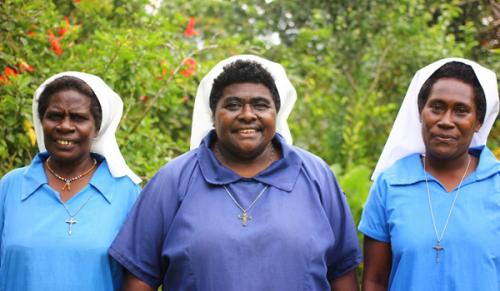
[246, 167]
[450, 171]
[68, 169]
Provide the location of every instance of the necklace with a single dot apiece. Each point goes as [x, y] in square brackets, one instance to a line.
[438, 248]
[67, 181]
[71, 220]
[244, 216]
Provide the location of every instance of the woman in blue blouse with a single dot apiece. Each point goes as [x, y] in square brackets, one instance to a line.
[431, 221]
[243, 210]
[59, 215]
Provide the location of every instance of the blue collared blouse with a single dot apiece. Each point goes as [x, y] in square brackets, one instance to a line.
[36, 251]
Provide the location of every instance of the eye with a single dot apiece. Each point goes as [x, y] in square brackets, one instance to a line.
[261, 105]
[53, 116]
[78, 117]
[462, 110]
[437, 107]
[232, 105]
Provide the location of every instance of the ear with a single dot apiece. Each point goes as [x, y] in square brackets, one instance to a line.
[477, 127]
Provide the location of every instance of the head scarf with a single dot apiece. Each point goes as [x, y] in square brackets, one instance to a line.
[406, 138]
[105, 143]
[202, 114]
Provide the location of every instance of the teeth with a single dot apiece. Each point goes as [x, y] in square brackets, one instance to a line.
[247, 131]
[64, 142]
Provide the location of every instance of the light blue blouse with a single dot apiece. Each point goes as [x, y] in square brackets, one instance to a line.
[36, 252]
[397, 212]
[184, 231]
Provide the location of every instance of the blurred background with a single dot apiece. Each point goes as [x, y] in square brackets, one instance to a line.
[350, 62]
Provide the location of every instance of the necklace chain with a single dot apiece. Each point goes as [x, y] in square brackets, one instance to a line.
[71, 220]
[439, 237]
[244, 216]
[67, 181]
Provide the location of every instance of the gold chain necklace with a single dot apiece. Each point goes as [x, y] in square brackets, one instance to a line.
[67, 181]
[438, 248]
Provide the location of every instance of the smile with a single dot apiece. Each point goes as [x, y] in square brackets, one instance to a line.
[64, 142]
[247, 131]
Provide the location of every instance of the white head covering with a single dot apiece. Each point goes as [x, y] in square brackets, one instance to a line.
[202, 114]
[105, 143]
[406, 138]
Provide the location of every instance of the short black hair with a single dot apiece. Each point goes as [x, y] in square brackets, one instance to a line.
[459, 71]
[243, 71]
[70, 83]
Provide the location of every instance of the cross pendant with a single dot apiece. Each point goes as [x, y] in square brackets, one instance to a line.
[438, 249]
[70, 223]
[244, 217]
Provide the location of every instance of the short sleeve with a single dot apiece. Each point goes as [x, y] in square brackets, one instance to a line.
[374, 218]
[346, 253]
[138, 246]
[3, 194]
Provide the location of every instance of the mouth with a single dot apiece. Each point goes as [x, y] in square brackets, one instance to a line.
[65, 142]
[443, 137]
[246, 131]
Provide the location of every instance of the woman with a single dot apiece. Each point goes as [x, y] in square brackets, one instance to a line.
[59, 215]
[244, 210]
[431, 221]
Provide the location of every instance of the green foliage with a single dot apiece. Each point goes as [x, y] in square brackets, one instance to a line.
[350, 61]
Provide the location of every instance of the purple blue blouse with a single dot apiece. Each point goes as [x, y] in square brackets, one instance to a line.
[185, 232]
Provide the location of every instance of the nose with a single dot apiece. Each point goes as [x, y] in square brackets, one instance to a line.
[247, 113]
[66, 124]
[446, 120]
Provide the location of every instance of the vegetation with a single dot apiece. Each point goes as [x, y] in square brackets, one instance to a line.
[351, 62]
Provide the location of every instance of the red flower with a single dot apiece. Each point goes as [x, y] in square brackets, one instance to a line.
[25, 66]
[30, 33]
[54, 42]
[143, 98]
[64, 29]
[76, 1]
[190, 31]
[189, 67]
[10, 72]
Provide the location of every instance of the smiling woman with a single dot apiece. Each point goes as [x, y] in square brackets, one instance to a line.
[243, 210]
[59, 215]
[431, 219]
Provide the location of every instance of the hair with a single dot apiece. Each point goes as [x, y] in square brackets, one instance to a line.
[70, 83]
[461, 72]
[243, 71]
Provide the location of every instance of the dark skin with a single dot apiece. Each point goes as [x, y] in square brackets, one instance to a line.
[68, 127]
[245, 123]
[449, 121]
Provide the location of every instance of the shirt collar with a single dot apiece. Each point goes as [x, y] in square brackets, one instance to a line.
[410, 170]
[34, 177]
[281, 174]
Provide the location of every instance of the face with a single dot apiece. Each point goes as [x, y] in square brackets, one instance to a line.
[68, 126]
[449, 119]
[245, 119]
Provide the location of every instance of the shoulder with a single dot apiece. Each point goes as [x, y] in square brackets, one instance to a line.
[404, 171]
[310, 161]
[14, 175]
[179, 166]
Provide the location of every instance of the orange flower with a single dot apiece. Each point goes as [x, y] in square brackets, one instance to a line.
[54, 42]
[143, 98]
[190, 31]
[10, 72]
[30, 33]
[25, 66]
[189, 67]
[76, 1]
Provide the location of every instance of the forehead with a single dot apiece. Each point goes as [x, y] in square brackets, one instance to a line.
[69, 99]
[452, 90]
[246, 90]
